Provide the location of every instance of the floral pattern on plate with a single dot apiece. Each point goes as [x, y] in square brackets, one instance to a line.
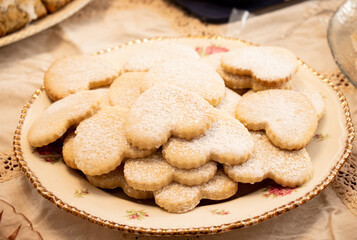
[51, 153]
[136, 214]
[210, 50]
[219, 212]
[276, 191]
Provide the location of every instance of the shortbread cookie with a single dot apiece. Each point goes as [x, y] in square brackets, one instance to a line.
[73, 74]
[126, 89]
[177, 198]
[227, 142]
[150, 54]
[100, 144]
[163, 111]
[300, 84]
[192, 75]
[61, 115]
[214, 60]
[115, 179]
[236, 81]
[287, 168]
[229, 102]
[288, 117]
[67, 151]
[269, 66]
[153, 173]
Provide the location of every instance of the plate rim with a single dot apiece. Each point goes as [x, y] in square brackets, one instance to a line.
[43, 23]
[194, 230]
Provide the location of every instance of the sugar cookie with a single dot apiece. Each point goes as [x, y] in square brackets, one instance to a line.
[288, 117]
[67, 151]
[153, 173]
[287, 168]
[229, 102]
[214, 60]
[163, 111]
[73, 74]
[192, 75]
[115, 179]
[235, 81]
[269, 66]
[126, 89]
[100, 144]
[61, 115]
[177, 198]
[227, 141]
[150, 54]
[301, 85]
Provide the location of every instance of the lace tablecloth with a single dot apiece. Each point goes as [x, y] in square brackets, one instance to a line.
[300, 28]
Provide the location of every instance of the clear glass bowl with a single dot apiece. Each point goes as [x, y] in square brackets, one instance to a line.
[341, 26]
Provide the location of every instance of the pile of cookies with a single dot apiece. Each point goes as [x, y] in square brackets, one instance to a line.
[175, 129]
[16, 14]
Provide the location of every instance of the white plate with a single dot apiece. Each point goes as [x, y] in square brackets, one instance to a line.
[69, 190]
[44, 23]
[341, 26]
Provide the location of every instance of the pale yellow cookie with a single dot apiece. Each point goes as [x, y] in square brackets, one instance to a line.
[229, 102]
[163, 111]
[236, 81]
[287, 168]
[126, 89]
[288, 117]
[300, 83]
[227, 142]
[67, 152]
[177, 198]
[148, 55]
[192, 75]
[73, 74]
[214, 60]
[269, 66]
[115, 179]
[100, 144]
[153, 173]
[61, 115]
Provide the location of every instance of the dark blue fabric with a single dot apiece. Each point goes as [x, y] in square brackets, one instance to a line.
[219, 11]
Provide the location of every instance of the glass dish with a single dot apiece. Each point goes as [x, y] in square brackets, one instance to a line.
[341, 27]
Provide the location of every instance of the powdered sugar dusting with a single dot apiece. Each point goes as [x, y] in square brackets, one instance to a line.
[214, 60]
[229, 102]
[191, 75]
[100, 144]
[60, 115]
[164, 110]
[148, 55]
[301, 85]
[153, 173]
[126, 89]
[77, 73]
[116, 179]
[180, 198]
[287, 116]
[290, 168]
[265, 63]
[227, 141]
